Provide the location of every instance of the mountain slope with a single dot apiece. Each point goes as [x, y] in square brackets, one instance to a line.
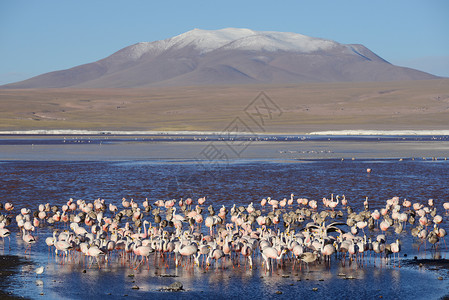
[228, 56]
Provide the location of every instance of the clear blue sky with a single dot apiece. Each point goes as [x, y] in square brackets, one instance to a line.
[48, 35]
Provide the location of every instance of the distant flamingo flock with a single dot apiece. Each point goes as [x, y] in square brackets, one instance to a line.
[266, 234]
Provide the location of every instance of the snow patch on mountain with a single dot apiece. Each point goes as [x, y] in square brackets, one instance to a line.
[284, 41]
[208, 40]
[229, 39]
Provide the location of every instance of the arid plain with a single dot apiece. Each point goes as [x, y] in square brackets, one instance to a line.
[302, 108]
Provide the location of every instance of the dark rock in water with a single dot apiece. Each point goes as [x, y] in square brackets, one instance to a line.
[278, 292]
[168, 275]
[135, 287]
[174, 287]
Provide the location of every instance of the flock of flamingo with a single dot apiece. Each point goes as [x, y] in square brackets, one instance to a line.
[270, 233]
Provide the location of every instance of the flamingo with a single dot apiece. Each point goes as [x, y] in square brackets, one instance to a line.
[438, 219]
[187, 250]
[333, 204]
[215, 254]
[50, 241]
[144, 252]
[202, 250]
[365, 203]
[247, 251]
[384, 225]
[270, 252]
[446, 207]
[9, 206]
[5, 233]
[327, 250]
[27, 238]
[96, 253]
[189, 202]
[209, 222]
[396, 248]
[313, 204]
[125, 203]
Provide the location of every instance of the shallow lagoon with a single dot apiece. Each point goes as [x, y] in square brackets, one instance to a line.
[32, 174]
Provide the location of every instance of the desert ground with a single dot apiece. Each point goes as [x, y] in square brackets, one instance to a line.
[300, 108]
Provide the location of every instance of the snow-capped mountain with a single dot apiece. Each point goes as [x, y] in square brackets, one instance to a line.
[228, 56]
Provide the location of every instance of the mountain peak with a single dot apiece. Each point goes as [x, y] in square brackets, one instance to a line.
[250, 40]
[228, 56]
[209, 40]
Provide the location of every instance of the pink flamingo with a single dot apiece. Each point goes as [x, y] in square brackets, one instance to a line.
[247, 251]
[446, 206]
[28, 238]
[273, 203]
[9, 206]
[112, 208]
[95, 252]
[145, 203]
[125, 203]
[144, 252]
[376, 215]
[384, 225]
[438, 219]
[187, 250]
[406, 203]
[270, 252]
[189, 201]
[333, 204]
[396, 248]
[216, 254]
[283, 202]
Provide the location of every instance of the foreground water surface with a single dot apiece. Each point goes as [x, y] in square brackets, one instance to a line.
[312, 171]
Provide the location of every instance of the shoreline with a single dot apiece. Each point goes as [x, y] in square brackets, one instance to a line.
[355, 132]
[9, 265]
